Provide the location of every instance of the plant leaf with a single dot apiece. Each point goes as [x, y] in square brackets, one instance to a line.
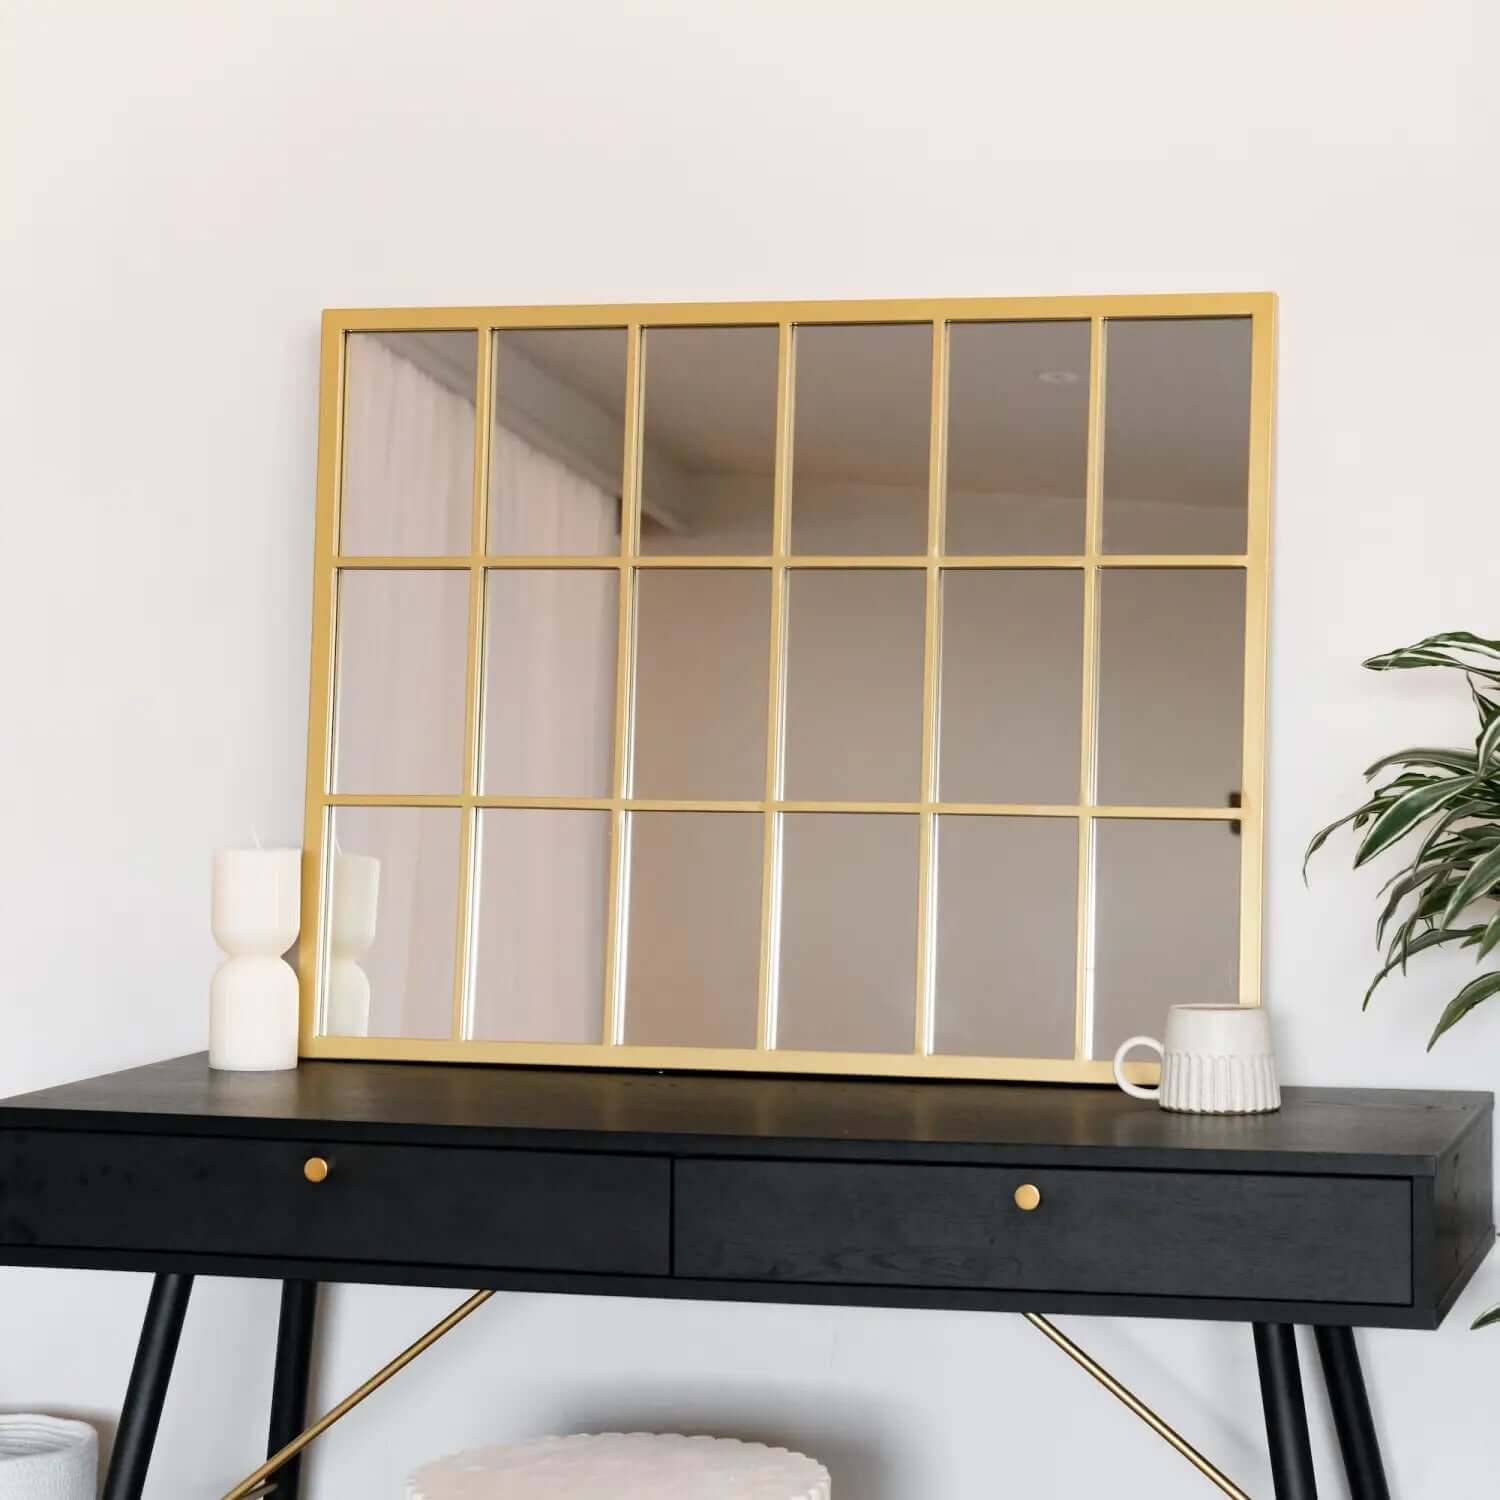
[1490, 938]
[1485, 1319]
[1476, 883]
[1487, 708]
[1489, 742]
[1448, 760]
[1433, 939]
[1407, 811]
[1473, 993]
[1321, 837]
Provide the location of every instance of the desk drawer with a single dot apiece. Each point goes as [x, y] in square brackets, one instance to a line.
[1179, 1234]
[415, 1205]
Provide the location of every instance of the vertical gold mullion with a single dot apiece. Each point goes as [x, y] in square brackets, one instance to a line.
[468, 884]
[1257, 588]
[316, 874]
[1083, 1014]
[630, 541]
[781, 533]
[937, 468]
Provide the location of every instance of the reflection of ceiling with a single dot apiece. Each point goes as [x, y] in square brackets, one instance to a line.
[1176, 410]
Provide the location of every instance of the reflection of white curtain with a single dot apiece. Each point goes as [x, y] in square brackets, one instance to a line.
[552, 640]
[539, 956]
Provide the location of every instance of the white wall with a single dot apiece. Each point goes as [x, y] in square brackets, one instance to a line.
[188, 185]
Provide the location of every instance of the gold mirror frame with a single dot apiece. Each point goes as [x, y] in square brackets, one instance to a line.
[939, 314]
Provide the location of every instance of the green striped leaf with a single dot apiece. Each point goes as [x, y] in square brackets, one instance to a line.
[1485, 1319]
[1475, 992]
[1490, 938]
[1476, 883]
[1447, 760]
[1435, 938]
[1407, 811]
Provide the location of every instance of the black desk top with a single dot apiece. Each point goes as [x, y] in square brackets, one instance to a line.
[1358, 1132]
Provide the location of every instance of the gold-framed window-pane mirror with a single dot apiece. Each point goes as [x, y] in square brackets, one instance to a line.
[859, 688]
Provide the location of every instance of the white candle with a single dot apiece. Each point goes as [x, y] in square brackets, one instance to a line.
[257, 911]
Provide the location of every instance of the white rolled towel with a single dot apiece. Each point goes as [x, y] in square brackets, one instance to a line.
[48, 1458]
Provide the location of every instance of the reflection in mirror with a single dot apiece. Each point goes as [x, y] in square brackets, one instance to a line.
[1012, 685]
[703, 643]
[861, 439]
[558, 443]
[1171, 686]
[1007, 936]
[1176, 435]
[854, 684]
[550, 649]
[541, 925]
[408, 444]
[392, 926]
[848, 933]
[1018, 434]
[1167, 903]
[401, 640]
[710, 441]
[693, 961]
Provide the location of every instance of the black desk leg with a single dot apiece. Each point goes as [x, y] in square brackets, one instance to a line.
[1351, 1414]
[1286, 1416]
[147, 1390]
[294, 1335]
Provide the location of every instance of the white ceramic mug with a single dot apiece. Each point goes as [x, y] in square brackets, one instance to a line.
[1216, 1060]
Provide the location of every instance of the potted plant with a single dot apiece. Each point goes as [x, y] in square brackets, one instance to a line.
[1447, 802]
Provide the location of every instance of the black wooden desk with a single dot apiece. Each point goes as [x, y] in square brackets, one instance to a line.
[1348, 1208]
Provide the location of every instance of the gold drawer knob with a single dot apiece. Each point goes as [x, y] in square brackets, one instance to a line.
[315, 1169]
[1028, 1196]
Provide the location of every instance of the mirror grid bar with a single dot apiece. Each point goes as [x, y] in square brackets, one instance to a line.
[604, 561]
[927, 873]
[618, 901]
[473, 749]
[771, 840]
[1088, 760]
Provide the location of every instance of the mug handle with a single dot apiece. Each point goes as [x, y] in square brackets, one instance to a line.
[1134, 1089]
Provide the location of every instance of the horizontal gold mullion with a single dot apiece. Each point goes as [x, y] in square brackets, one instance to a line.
[724, 805]
[721, 314]
[809, 560]
[731, 1059]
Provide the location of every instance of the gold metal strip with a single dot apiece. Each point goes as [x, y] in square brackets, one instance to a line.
[613, 1023]
[1093, 533]
[253, 1483]
[603, 562]
[781, 533]
[885, 310]
[937, 469]
[1137, 1407]
[469, 838]
[320, 706]
[1257, 647]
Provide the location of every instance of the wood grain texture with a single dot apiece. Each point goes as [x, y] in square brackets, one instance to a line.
[535, 1210]
[1348, 1207]
[1179, 1234]
[1378, 1132]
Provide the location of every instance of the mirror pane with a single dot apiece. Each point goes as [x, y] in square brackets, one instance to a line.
[1018, 437]
[1012, 685]
[1171, 686]
[848, 933]
[710, 441]
[401, 646]
[1007, 936]
[1167, 913]
[861, 438]
[550, 651]
[558, 443]
[1176, 435]
[693, 966]
[542, 925]
[854, 684]
[408, 444]
[392, 921]
[703, 647]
